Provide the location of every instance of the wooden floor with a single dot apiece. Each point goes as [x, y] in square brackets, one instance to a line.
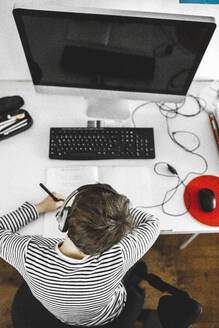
[194, 269]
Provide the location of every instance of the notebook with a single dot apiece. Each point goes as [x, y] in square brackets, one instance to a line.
[134, 182]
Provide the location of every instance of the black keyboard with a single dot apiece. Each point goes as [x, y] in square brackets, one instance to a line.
[101, 143]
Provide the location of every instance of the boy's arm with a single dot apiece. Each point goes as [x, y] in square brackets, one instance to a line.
[12, 244]
[135, 244]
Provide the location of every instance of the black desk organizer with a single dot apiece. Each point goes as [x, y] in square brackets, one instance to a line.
[12, 113]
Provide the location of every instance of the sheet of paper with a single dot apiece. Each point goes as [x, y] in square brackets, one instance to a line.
[132, 181]
[64, 181]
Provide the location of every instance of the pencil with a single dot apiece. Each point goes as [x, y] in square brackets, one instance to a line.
[214, 129]
[49, 192]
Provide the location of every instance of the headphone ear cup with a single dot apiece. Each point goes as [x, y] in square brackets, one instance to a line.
[62, 219]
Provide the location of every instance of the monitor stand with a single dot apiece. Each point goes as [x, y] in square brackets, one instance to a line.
[105, 108]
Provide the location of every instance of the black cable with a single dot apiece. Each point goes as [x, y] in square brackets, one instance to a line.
[174, 189]
[180, 181]
[173, 134]
[170, 113]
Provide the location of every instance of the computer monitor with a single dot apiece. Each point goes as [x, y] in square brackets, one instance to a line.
[109, 55]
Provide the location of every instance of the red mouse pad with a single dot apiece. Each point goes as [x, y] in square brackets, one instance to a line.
[203, 181]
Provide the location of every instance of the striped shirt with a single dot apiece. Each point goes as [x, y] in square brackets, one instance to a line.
[86, 292]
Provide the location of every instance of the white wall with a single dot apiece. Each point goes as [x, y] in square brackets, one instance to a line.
[13, 64]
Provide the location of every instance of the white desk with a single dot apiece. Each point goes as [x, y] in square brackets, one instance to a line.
[24, 158]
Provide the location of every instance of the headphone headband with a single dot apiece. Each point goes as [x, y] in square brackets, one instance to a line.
[63, 212]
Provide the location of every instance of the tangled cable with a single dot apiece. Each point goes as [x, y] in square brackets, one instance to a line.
[170, 113]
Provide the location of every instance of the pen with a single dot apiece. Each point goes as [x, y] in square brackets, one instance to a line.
[49, 193]
[6, 122]
[12, 119]
[4, 126]
[14, 127]
[17, 116]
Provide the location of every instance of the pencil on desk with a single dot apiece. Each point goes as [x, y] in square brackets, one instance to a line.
[214, 129]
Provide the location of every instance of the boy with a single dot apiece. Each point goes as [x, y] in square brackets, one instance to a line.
[79, 281]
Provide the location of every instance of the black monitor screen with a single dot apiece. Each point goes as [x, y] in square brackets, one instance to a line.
[112, 52]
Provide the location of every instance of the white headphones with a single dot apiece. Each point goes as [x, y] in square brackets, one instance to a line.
[64, 211]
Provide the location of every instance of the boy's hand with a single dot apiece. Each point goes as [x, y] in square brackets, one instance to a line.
[49, 205]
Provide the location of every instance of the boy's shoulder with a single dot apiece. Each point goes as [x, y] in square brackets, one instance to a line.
[43, 242]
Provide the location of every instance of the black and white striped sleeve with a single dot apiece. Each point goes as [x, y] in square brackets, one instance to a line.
[12, 244]
[135, 244]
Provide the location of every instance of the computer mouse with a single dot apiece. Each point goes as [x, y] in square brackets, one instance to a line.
[207, 199]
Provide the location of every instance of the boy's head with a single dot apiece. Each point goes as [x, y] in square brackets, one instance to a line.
[98, 219]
